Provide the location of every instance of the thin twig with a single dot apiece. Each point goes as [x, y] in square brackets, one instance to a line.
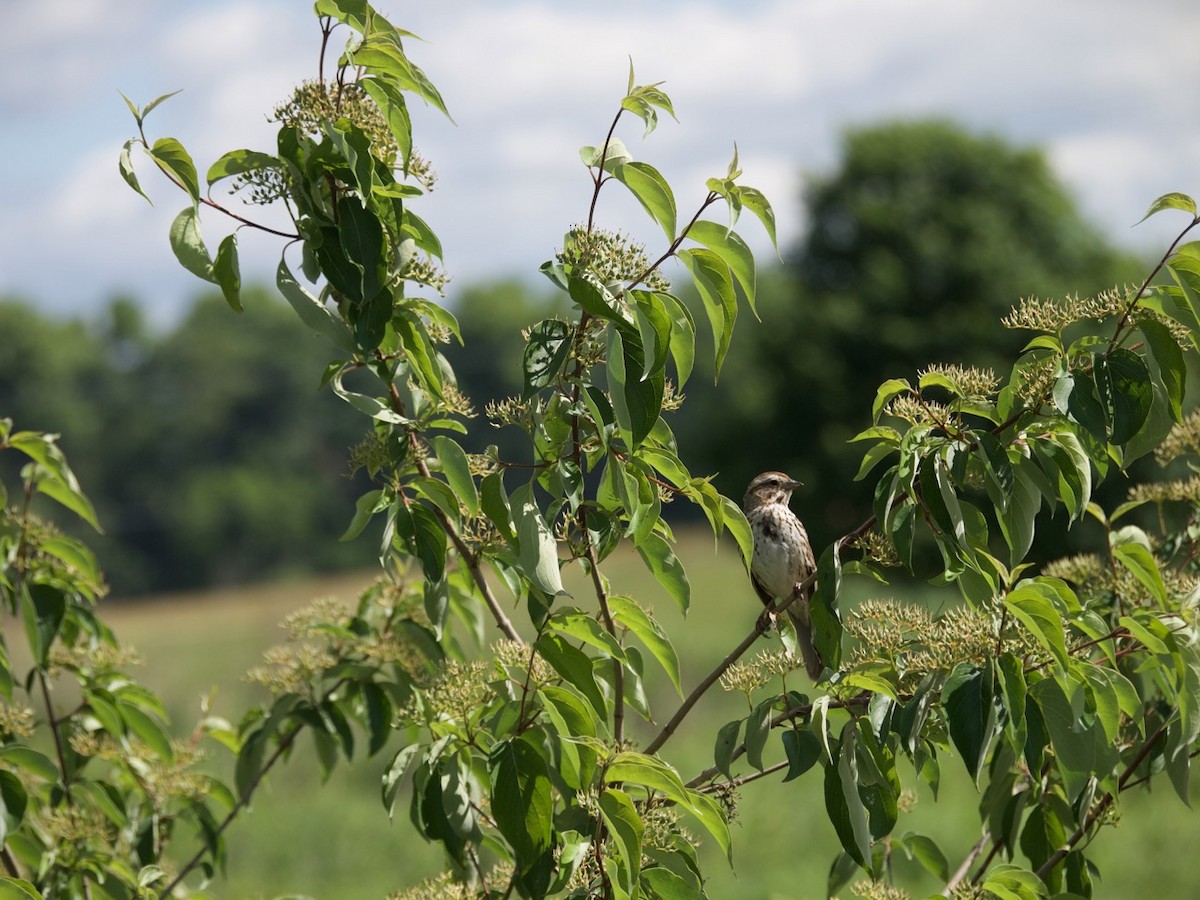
[745, 779]
[242, 802]
[1105, 802]
[1146, 284]
[965, 867]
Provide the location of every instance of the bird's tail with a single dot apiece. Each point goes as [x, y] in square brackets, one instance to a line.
[798, 613]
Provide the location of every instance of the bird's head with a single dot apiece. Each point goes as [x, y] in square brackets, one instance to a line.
[767, 488]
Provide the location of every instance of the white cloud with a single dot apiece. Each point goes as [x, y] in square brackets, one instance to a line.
[1105, 86]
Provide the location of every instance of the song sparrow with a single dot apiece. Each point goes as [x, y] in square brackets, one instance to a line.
[783, 557]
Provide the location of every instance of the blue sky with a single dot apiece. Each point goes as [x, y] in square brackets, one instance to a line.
[1106, 87]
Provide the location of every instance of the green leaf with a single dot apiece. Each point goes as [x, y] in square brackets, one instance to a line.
[1125, 387]
[248, 768]
[548, 347]
[361, 237]
[652, 191]
[970, 715]
[683, 336]
[823, 607]
[803, 749]
[625, 826]
[574, 623]
[457, 470]
[17, 889]
[1018, 517]
[1135, 556]
[422, 354]
[1172, 370]
[394, 774]
[493, 500]
[1075, 746]
[629, 615]
[727, 739]
[654, 327]
[423, 537]
[147, 729]
[843, 803]
[1173, 200]
[925, 851]
[575, 667]
[714, 283]
[30, 760]
[226, 272]
[637, 402]
[649, 772]
[175, 161]
[188, 245]
[1032, 605]
[755, 201]
[238, 162]
[537, 551]
[312, 312]
[732, 250]
[125, 165]
[43, 609]
[13, 802]
[1011, 673]
[395, 112]
[709, 813]
[664, 884]
[758, 729]
[571, 718]
[522, 801]
[662, 562]
[889, 389]
[154, 103]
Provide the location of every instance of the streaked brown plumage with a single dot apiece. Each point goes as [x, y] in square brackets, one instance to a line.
[783, 556]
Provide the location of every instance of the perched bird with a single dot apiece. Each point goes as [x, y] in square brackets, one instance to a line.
[783, 557]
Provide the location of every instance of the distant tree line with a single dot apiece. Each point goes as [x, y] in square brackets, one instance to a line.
[187, 439]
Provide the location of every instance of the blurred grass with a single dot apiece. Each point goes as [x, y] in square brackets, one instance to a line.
[334, 841]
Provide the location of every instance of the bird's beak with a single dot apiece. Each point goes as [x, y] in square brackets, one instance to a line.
[792, 485]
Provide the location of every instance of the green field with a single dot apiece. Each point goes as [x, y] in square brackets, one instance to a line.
[333, 840]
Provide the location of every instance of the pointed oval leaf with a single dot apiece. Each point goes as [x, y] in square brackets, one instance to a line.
[173, 159]
[188, 245]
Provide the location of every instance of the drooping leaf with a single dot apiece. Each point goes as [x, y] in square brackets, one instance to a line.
[652, 191]
[755, 201]
[662, 562]
[1125, 387]
[226, 272]
[1172, 200]
[188, 245]
[125, 166]
[625, 826]
[647, 630]
[312, 312]
[714, 283]
[457, 470]
[803, 749]
[683, 336]
[522, 802]
[970, 715]
[732, 250]
[1172, 370]
[1033, 606]
[537, 549]
[842, 802]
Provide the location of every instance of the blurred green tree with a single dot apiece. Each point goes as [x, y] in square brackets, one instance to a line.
[209, 452]
[921, 239]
